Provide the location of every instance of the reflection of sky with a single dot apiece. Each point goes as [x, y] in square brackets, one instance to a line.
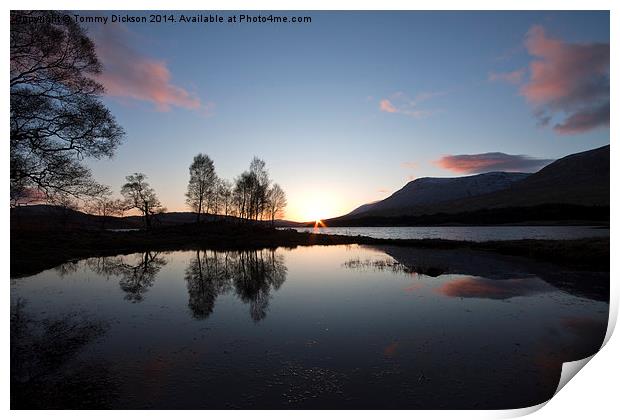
[354, 319]
[306, 98]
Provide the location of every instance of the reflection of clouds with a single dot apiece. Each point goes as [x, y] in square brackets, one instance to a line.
[413, 287]
[480, 287]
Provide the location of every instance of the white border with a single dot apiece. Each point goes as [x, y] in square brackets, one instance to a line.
[592, 394]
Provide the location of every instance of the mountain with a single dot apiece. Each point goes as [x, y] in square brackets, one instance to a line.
[428, 191]
[579, 179]
[575, 184]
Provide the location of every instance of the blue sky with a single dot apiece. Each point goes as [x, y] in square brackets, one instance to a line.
[309, 98]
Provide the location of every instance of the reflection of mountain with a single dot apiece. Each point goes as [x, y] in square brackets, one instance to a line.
[137, 272]
[494, 275]
[253, 275]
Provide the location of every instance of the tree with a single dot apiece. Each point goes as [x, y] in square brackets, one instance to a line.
[139, 195]
[224, 191]
[202, 184]
[104, 206]
[260, 184]
[276, 202]
[243, 194]
[57, 118]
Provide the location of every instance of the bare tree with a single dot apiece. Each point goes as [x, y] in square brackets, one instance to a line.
[225, 193]
[104, 206]
[57, 118]
[276, 202]
[202, 184]
[260, 178]
[139, 195]
[243, 195]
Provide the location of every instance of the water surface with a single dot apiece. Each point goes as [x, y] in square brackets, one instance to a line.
[310, 327]
[467, 233]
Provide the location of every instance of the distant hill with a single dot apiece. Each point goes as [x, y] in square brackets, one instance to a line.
[44, 215]
[577, 184]
[579, 179]
[429, 191]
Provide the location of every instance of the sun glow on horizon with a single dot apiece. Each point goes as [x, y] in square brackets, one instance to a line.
[316, 206]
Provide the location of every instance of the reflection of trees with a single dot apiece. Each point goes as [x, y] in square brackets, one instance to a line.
[45, 371]
[207, 276]
[252, 275]
[67, 268]
[137, 271]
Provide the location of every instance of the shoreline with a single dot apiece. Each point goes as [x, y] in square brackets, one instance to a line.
[33, 251]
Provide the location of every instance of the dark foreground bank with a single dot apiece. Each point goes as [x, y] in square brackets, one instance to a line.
[35, 250]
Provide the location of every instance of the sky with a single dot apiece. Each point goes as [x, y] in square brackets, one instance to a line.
[347, 109]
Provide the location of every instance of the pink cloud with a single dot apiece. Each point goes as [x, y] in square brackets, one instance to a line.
[129, 74]
[489, 162]
[386, 106]
[568, 79]
[400, 103]
[513, 77]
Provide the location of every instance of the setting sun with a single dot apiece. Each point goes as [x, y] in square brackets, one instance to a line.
[315, 206]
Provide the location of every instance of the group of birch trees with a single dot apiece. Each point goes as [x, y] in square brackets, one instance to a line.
[251, 196]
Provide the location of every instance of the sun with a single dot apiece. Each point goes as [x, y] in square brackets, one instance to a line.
[314, 212]
[315, 206]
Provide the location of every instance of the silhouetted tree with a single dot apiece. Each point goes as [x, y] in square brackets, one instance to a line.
[225, 193]
[276, 202]
[260, 178]
[104, 206]
[202, 184]
[139, 195]
[57, 118]
[249, 195]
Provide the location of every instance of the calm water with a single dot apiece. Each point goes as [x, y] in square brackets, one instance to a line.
[468, 233]
[310, 327]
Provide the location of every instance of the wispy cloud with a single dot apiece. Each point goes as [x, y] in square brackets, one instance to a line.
[568, 79]
[513, 77]
[128, 73]
[489, 162]
[401, 103]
